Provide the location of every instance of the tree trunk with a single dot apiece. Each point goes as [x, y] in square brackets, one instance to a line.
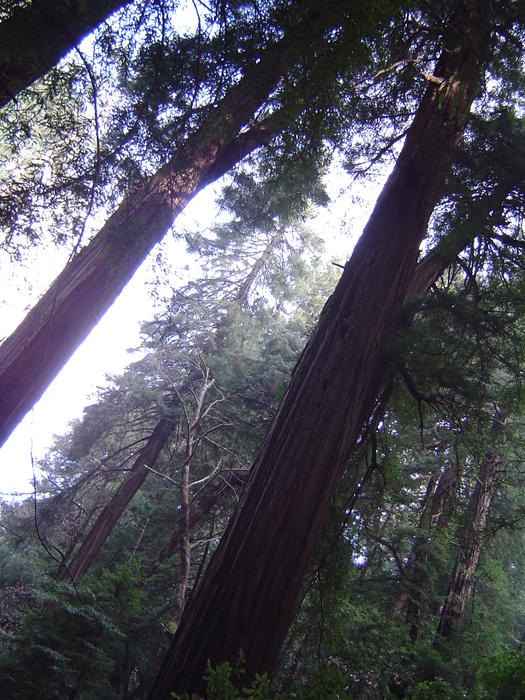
[36, 36]
[131, 484]
[469, 552]
[40, 346]
[436, 514]
[111, 514]
[184, 539]
[414, 554]
[197, 514]
[248, 595]
[249, 280]
[184, 490]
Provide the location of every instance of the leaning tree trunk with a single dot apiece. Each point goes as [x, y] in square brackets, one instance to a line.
[111, 514]
[36, 36]
[40, 346]
[469, 552]
[248, 595]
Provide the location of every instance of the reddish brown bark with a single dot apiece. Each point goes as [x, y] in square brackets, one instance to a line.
[36, 36]
[31, 357]
[111, 514]
[248, 595]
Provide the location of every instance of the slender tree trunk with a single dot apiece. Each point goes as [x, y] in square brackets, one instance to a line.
[469, 552]
[185, 544]
[248, 282]
[139, 538]
[40, 346]
[374, 533]
[197, 514]
[435, 515]
[184, 490]
[111, 514]
[36, 36]
[247, 598]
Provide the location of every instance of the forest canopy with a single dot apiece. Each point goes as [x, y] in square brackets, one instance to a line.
[310, 483]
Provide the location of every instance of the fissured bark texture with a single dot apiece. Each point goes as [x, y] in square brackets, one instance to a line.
[248, 595]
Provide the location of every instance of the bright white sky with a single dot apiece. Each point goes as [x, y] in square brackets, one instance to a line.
[106, 349]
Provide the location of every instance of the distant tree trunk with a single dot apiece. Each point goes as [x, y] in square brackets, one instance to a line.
[436, 514]
[247, 597]
[111, 514]
[40, 346]
[248, 282]
[469, 552]
[184, 490]
[37, 35]
[374, 554]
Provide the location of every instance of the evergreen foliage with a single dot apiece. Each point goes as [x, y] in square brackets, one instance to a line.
[219, 354]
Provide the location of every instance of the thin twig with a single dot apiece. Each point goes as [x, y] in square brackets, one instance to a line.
[162, 476]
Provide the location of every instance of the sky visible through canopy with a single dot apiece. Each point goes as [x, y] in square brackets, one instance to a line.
[107, 349]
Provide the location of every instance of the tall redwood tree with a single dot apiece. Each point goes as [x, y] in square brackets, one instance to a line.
[248, 596]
